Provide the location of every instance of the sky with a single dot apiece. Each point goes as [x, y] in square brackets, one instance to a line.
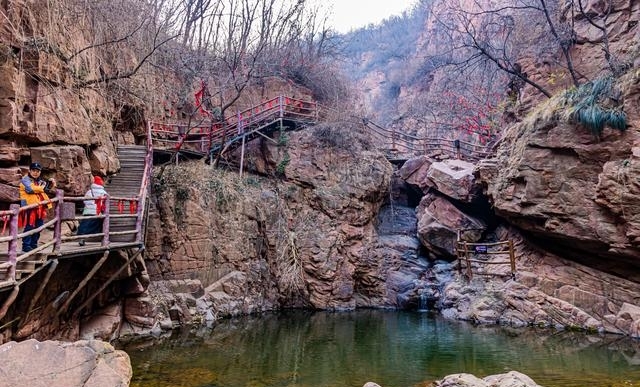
[351, 14]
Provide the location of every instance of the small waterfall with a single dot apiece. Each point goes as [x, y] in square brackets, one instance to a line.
[435, 278]
[423, 305]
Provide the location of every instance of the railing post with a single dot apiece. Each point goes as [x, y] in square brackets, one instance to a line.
[242, 155]
[281, 106]
[139, 214]
[466, 260]
[458, 247]
[210, 135]
[393, 140]
[105, 222]
[240, 123]
[57, 228]
[13, 243]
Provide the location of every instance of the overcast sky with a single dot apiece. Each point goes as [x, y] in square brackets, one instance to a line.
[351, 14]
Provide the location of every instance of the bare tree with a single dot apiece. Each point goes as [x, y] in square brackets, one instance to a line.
[228, 45]
[615, 68]
[491, 34]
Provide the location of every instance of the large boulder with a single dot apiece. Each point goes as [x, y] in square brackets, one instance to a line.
[70, 165]
[510, 379]
[415, 172]
[453, 178]
[57, 364]
[439, 223]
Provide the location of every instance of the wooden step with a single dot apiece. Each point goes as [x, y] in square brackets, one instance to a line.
[128, 175]
[130, 157]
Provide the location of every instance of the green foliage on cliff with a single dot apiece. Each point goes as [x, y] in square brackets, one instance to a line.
[282, 165]
[594, 106]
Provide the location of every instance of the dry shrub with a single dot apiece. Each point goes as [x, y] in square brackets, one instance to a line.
[341, 136]
[203, 181]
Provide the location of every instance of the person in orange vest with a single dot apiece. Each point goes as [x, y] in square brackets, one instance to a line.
[33, 189]
[93, 207]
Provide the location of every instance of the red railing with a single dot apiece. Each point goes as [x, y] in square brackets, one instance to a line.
[136, 209]
[144, 186]
[53, 246]
[202, 136]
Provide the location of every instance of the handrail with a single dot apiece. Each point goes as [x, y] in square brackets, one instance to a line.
[176, 136]
[234, 125]
[56, 220]
[144, 185]
[419, 145]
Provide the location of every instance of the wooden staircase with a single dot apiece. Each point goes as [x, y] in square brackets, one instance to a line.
[126, 183]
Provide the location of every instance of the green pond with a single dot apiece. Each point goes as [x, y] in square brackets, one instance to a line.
[391, 348]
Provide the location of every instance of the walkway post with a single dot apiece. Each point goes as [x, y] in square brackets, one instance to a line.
[466, 260]
[458, 251]
[281, 106]
[242, 155]
[105, 222]
[393, 139]
[57, 228]
[13, 243]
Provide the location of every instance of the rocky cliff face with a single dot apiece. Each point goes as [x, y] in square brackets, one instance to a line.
[43, 117]
[559, 182]
[330, 238]
[308, 240]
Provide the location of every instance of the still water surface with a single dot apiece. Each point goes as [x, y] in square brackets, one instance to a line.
[394, 349]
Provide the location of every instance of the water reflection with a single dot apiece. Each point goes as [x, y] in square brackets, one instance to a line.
[395, 349]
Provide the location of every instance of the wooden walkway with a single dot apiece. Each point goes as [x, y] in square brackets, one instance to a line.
[196, 139]
[122, 229]
[199, 138]
[400, 146]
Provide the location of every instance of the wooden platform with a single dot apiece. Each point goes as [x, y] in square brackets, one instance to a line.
[28, 267]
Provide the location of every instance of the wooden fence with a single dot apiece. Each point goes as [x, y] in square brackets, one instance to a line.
[476, 255]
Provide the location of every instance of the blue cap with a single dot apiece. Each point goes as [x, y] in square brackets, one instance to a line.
[36, 166]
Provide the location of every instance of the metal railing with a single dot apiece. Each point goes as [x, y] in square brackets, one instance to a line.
[11, 217]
